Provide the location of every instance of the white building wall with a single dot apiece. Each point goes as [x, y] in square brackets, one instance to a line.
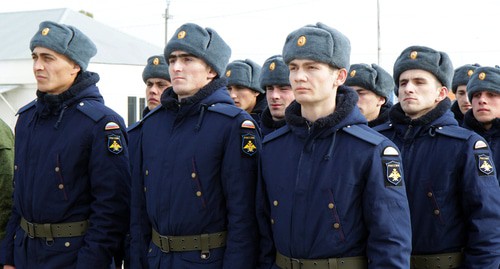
[16, 71]
[117, 83]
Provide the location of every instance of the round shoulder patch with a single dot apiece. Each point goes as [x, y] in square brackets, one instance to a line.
[390, 151]
[111, 126]
[247, 124]
[480, 144]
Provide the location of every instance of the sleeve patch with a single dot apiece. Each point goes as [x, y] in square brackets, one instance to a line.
[390, 151]
[392, 174]
[247, 124]
[111, 126]
[480, 144]
[248, 147]
[484, 165]
[115, 144]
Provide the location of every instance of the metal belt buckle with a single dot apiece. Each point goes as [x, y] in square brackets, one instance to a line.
[205, 255]
[30, 227]
[164, 244]
[295, 263]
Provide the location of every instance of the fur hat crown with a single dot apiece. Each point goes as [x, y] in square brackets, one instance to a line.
[66, 40]
[319, 43]
[204, 43]
[371, 77]
[244, 73]
[156, 67]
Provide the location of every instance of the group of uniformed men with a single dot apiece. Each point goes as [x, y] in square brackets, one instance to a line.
[303, 162]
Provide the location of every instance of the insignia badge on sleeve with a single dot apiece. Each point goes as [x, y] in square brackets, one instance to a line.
[480, 145]
[393, 174]
[390, 151]
[484, 165]
[248, 146]
[115, 144]
[247, 124]
[111, 126]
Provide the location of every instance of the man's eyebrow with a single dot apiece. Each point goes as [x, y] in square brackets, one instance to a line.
[180, 55]
[41, 54]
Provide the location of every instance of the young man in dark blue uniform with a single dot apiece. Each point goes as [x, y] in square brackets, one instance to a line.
[244, 87]
[279, 95]
[462, 104]
[196, 166]
[72, 175]
[157, 80]
[452, 187]
[484, 117]
[374, 87]
[332, 192]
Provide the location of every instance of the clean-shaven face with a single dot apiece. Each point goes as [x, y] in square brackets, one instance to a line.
[154, 88]
[486, 107]
[312, 82]
[278, 98]
[462, 99]
[54, 72]
[369, 102]
[419, 92]
[243, 97]
[188, 73]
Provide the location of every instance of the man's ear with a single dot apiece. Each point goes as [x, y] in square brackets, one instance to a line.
[443, 93]
[381, 101]
[76, 68]
[211, 73]
[341, 78]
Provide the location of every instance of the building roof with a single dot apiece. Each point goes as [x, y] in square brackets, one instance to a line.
[113, 46]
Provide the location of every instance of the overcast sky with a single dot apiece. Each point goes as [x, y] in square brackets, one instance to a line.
[469, 31]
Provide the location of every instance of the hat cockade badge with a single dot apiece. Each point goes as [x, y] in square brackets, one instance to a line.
[156, 61]
[272, 66]
[45, 31]
[301, 41]
[181, 35]
[413, 55]
[482, 76]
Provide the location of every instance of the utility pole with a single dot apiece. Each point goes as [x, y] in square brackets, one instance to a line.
[378, 33]
[167, 16]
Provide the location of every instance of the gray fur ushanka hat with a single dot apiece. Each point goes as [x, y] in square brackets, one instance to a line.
[274, 72]
[419, 57]
[66, 40]
[204, 43]
[371, 77]
[244, 73]
[484, 79]
[156, 67]
[462, 75]
[319, 43]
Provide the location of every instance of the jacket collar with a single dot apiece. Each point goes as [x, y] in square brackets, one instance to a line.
[397, 115]
[53, 104]
[268, 122]
[170, 100]
[346, 101]
[472, 123]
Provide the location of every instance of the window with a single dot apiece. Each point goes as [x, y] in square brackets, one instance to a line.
[132, 110]
[142, 105]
